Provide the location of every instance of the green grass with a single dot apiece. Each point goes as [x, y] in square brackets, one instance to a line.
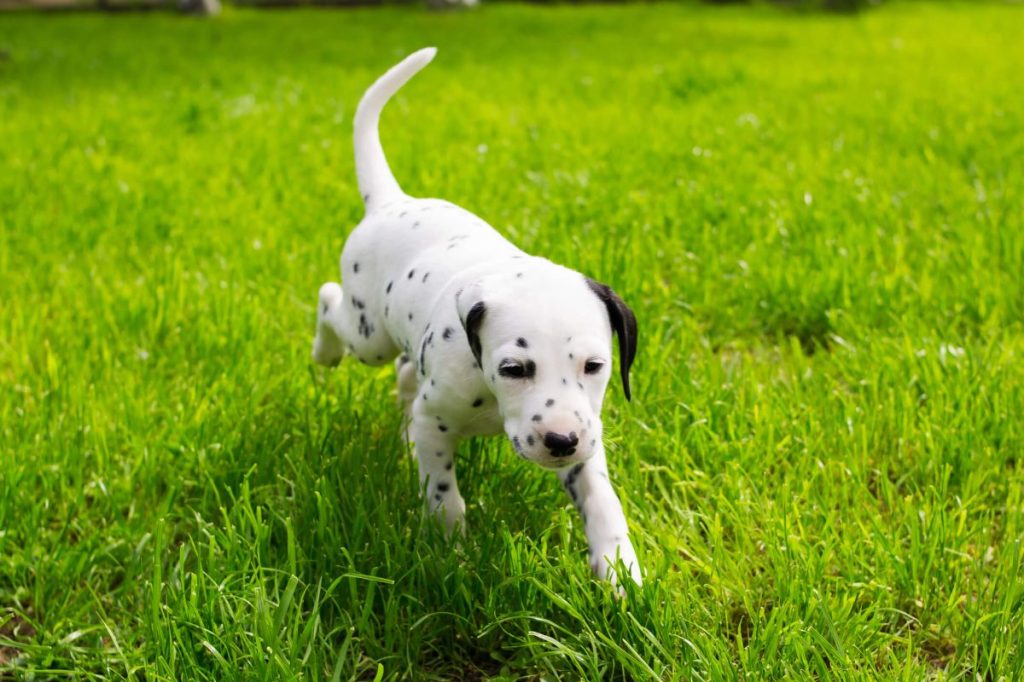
[819, 221]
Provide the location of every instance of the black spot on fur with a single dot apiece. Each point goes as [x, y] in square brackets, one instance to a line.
[440, 454]
[521, 342]
[355, 267]
[415, 224]
[411, 273]
[573, 474]
[358, 304]
[410, 317]
[580, 385]
[447, 335]
[478, 402]
[324, 309]
[565, 382]
[571, 356]
[442, 428]
[515, 442]
[442, 487]
[388, 290]
[448, 466]
[550, 402]
[387, 309]
[365, 328]
[519, 275]
[529, 439]
[537, 417]
[425, 277]
[366, 198]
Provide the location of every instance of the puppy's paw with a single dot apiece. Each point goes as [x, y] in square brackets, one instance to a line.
[607, 563]
[328, 348]
[451, 512]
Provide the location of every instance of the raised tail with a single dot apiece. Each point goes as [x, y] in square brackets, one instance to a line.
[376, 183]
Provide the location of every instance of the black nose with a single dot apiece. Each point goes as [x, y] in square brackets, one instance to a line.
[561, 445]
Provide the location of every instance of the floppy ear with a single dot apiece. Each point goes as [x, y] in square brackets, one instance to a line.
[623, 324]
[471, 313]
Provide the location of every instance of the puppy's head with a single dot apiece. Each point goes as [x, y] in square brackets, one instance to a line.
[542, 336]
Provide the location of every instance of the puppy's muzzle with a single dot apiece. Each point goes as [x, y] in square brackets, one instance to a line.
[561, 445]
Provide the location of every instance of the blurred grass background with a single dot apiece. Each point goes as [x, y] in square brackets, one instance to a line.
[838, 6]
[817, 219]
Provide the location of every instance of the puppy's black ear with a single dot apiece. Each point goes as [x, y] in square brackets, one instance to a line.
[471, 309]
[471, 322]
[623, 324]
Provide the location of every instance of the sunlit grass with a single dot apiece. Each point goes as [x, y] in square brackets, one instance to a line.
[817, 219]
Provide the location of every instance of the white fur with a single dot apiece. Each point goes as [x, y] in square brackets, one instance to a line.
[413, 270]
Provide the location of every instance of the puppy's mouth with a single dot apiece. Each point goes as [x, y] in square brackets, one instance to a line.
[562, 463]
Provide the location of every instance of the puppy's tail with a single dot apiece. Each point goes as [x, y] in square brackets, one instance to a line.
[376, 183]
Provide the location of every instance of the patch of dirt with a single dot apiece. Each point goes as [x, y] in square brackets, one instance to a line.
[13, 628]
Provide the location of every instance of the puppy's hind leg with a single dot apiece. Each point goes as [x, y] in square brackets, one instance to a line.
[328, 347]
[405, 372]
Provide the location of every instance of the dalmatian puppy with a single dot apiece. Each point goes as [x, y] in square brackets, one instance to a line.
[487, 338]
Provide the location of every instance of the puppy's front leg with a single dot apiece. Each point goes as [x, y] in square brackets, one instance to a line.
[435, 452]
[605, 524]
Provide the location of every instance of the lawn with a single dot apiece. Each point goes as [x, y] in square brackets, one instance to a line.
[818, 219]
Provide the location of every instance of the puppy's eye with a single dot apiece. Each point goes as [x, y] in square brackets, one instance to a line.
[514, 369]
[593, 366]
